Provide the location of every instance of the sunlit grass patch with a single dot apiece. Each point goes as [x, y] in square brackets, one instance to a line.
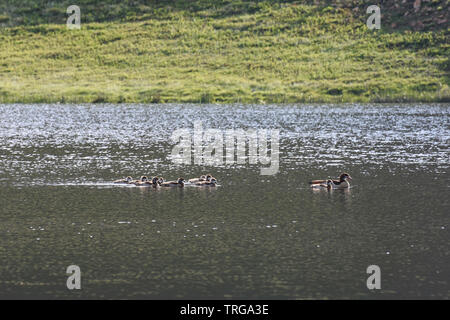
[273, 54]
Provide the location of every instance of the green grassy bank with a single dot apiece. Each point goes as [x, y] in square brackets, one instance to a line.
[263, 52]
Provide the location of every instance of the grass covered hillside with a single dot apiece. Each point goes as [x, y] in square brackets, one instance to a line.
[223, 51]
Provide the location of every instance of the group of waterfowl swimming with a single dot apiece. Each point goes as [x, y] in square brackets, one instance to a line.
[203, 181]
[341, 183]
[209, 181]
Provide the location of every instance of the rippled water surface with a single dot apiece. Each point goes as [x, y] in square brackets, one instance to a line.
[253, 236]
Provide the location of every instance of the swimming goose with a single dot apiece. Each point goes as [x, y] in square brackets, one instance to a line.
[211, 183]
[142, 181]
[207, 177]
[127, 180]
[156, 182]
[178, 183]
[341, 183]
[150, 183]
[194, 180]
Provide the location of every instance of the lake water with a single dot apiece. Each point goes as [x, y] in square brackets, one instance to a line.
[252, 237]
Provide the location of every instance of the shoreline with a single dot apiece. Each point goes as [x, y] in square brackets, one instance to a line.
[444, 100]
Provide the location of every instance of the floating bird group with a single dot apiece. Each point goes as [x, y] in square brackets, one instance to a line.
[209, 181]
[341, 183]
[204, 180]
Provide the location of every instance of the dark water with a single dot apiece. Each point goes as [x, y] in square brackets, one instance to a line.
[253, 236]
